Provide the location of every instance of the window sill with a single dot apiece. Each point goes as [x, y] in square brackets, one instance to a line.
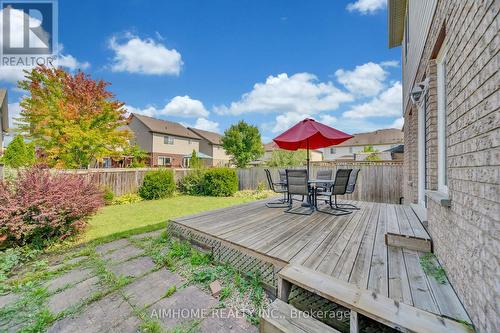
[441, 198]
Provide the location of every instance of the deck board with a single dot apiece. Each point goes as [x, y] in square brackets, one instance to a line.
[350, 248]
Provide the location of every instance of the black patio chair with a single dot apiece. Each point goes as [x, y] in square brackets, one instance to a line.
[279, 188]
[282, 174]
[338, 187]
[323, 175]
[351, 186]
[297, 184]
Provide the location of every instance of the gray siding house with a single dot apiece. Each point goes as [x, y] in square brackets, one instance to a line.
[4, 116]
[451, 105]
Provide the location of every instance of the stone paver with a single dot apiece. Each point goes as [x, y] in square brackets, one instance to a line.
[111, 246]
[110, 314]
[75, 260]
[151, 234]
[150, 288]
[226, 324]
[73, 276]
[123, 253]
[8, 299]
[74, 295]
[134, 267]
[185, 305]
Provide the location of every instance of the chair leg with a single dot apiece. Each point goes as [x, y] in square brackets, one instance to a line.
[280, 203]
[334, 207]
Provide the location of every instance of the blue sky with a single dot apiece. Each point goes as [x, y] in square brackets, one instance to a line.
[212, 63]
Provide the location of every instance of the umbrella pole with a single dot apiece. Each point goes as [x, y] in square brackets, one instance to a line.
[308, 158]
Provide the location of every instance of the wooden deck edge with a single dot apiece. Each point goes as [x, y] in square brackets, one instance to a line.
[279, 263]
[368, 303]
[408, 242]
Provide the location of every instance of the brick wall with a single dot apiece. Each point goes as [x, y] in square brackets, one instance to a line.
[466, 235]
[176, 160]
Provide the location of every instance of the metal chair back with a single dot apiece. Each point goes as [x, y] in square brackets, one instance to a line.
[269, 180]
[297, 182]
[352, 181]
[324, 175]
[282, 175]
[341, 180]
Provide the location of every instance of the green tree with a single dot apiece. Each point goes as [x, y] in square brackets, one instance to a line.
[373, 156]
[243, 142]
[19, 153]
[73, 119]
[195, 162]
[138, 156]
[287, 158]
[369, 149]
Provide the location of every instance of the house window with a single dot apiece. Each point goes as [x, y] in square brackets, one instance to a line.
[186, 162]
[164, 161]
[107, 163]
[189, 141]
[168, 140]
[333, 150]
[350, 150]
[441, 119]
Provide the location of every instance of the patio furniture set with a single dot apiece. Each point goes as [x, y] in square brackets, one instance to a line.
[296, 182]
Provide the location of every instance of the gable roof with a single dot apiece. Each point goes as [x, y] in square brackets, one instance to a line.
[4, 110]
[164, 126]
[212, 137]
[378, 137]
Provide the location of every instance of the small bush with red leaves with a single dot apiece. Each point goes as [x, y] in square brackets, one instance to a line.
[38, 206]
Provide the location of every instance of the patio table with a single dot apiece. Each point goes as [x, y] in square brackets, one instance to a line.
[313, 185]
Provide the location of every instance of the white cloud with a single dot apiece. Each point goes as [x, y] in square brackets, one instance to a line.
[365, 80]
[207, 125]
[184, 106]
[287, 120]
[180, 106]
[144, 56]
[367, 6]
[14, 113]
[300, 93]
[71, 62]
[398, 123]
[390, 63]
[388, 103]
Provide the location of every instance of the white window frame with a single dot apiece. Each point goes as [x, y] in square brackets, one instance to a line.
[168, 140]
[164, 160]
[333, 150]
[441, 119]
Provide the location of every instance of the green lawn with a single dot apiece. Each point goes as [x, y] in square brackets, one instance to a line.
[122, 218]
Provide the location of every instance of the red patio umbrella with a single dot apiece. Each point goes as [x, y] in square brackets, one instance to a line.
[309, 134]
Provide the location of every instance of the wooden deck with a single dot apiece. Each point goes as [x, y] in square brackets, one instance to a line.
[350, 248]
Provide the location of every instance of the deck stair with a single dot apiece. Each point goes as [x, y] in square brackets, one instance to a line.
[365, 302]
[284, 318]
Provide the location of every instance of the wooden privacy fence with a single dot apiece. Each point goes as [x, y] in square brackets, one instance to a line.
[377, 182]
[119, 180]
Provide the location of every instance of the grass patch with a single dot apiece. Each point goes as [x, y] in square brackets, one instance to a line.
[123, 218]
[431, 267]
[170, 291]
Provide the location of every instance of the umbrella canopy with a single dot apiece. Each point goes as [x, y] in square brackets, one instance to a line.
[309, 134]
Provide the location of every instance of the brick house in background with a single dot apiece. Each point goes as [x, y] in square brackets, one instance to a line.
[211, 145]
[4, 116]
[169, 143]
[451, 131]
[381, 140]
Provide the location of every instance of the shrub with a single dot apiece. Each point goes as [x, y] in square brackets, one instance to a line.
[192, 183]
[108, 195]
[220, 182]
[127, 199]
[37, 206]
[157, 184]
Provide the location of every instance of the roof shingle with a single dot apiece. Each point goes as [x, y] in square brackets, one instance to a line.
[165, 127]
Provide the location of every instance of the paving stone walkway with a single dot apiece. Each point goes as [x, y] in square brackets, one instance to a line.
[76, 296]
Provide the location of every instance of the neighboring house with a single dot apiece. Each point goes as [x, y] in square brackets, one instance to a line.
[451, 131]
[211, 145]
[169, 143]
[381, 140]
[4, 116]
[315, 155]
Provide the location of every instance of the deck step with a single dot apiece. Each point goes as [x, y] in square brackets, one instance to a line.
[368, 303]
[408, 242]
[284, 318]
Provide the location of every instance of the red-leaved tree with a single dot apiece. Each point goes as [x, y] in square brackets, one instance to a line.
[38, 206]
